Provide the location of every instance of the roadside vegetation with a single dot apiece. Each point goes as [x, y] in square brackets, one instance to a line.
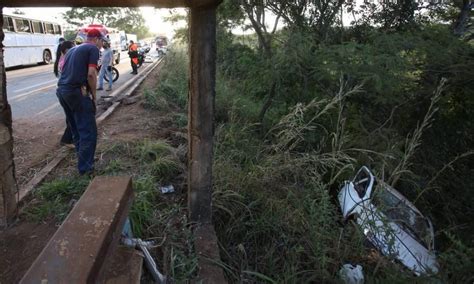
[298, 111]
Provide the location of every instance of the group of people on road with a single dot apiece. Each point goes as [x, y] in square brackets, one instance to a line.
[76, 67]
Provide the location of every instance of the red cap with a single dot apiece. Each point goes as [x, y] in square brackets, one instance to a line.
[94, 33]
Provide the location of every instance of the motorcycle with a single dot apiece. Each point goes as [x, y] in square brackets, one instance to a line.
[142, 51]
[115, 74]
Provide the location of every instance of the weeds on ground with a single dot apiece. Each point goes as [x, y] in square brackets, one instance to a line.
[153, 215]
[172, 87]
[55, 199]
[153, 163]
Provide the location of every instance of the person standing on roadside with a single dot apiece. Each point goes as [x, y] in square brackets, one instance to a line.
[77, 93]
[133, 53]
[66, 139]
[58, 55]
[106, 66]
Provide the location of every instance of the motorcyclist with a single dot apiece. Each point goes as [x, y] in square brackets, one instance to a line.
[133, 53]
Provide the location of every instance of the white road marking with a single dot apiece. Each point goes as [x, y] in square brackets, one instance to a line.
[22, 96]
[34, 86]
[48, 108]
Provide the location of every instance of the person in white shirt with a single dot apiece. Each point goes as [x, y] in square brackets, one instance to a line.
[106, 66]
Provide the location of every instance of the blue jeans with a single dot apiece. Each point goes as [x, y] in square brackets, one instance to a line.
[105, 72]
[80, 113]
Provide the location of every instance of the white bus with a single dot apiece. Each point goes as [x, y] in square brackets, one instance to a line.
[29, 41]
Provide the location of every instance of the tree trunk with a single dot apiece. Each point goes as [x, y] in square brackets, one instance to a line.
[461, 22]
[264, 40]
[267, 104]
[8, 186]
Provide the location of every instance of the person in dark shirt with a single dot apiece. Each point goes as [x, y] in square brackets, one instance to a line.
[58, 55]
[63, 48]
[77, 93]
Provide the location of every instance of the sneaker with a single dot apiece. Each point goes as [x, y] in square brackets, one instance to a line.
[99, 89]
[109, 89]
[69, 145]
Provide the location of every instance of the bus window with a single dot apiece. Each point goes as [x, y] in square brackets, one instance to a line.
[23, 25]
[8, 24]
[57, 29]
[37, 27]
[49, 28]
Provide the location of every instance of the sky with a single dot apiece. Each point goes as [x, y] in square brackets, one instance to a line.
[153, 17]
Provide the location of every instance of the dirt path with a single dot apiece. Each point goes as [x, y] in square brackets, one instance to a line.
[34, 142]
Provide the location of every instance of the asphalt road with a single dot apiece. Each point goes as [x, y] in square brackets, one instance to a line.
[31, 90]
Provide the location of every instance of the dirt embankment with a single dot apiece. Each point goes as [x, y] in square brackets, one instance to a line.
[35, 145]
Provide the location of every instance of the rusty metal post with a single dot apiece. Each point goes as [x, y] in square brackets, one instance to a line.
[8, 185]
[202, 66]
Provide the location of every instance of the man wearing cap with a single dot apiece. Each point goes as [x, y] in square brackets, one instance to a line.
[106, 63]
[77, 92]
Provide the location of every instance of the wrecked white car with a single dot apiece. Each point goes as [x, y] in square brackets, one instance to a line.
[390, 222]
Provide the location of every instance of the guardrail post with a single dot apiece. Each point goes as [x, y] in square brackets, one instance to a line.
[202, 66]
[8, 185]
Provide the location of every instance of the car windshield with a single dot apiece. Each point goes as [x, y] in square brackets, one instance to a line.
[362, 182]
[397, 210]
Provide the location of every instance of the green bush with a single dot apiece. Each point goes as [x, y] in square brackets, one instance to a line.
[391, 119]
[172, 86]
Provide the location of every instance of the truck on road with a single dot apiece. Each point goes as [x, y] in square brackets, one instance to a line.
[125, 39]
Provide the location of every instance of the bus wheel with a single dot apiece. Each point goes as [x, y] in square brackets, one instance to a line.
[46, 57]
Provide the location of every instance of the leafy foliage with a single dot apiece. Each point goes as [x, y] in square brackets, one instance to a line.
[56, 198]
[128, 19]
[393, 92]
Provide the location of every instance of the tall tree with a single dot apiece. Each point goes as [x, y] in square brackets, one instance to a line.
[314, 15]
[257, 11]
[132, 21]
[176, 17]
[127, 19]
[86, 15]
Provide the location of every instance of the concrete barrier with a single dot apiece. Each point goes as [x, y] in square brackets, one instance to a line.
[78, 250]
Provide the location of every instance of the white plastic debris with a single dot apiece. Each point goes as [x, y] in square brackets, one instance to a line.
[167, 189]
[351, 274]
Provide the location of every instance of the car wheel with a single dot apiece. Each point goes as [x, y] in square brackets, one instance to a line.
[47, 57]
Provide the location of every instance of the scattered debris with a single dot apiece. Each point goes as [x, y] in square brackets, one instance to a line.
[351, 274]
[130, 100]
[167, 189]
[128, 240]
[390, 222]
[134, 242]
[149, 261]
